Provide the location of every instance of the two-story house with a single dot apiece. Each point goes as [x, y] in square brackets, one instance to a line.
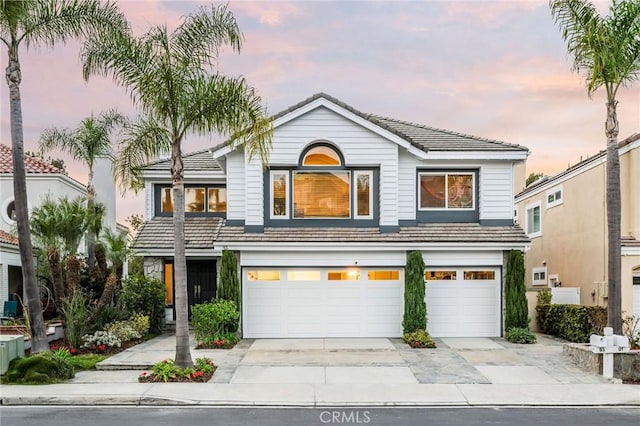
[565, 216]
[323, 231]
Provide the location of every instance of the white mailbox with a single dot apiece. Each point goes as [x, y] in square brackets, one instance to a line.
[608, 345]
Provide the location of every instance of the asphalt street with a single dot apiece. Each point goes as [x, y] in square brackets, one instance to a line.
[376, 416]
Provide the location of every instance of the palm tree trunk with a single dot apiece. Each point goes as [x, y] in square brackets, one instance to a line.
[183, 354]
[105, 298]
[614, 207]
[91, 238]
[53, 256]
[73, 275]
[13, 75]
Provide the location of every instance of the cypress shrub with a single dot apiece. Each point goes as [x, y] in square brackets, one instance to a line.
[415, 309]
[517, 314]
[229, 285]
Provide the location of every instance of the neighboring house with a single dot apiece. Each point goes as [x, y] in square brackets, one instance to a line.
[43, 180]
[322, 233]
[565, 217]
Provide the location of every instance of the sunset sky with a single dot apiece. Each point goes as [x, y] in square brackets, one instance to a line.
[492, 69]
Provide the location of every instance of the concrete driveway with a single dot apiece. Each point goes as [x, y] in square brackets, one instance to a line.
[369, 361]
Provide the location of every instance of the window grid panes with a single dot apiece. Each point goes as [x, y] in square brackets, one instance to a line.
[217, 200]
[533, 220]
[479, 275]
[279, 194]
[196, 200]
[321, 195]
[303, 275]
[263, 275]
[364, 194]
[446, 191]
[383, 275]
[349, 275]
[439, 275]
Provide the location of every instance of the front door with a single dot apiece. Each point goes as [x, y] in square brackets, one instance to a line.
[201, 281]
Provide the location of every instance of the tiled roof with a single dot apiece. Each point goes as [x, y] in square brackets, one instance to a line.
[422, 137]
[195, 161]
[157, 233]
[428, 233]
[7, 238]
[31, 164]
[588, 160]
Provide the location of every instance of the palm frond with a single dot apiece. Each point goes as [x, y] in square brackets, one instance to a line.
[197, 41]
[624, 28]
[50, 21]
[11, 14]
[142, 141]
[230, 107]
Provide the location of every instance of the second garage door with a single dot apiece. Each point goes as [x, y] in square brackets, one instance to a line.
[463, 302]
[322, 302]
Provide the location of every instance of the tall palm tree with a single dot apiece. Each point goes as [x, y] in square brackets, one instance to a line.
[171, 77]
[87, 143]
[75, 217]
[607, 50]
[37, 23]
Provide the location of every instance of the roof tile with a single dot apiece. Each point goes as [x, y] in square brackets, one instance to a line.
[31, 164]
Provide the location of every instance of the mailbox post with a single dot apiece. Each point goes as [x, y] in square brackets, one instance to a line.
[608, 345]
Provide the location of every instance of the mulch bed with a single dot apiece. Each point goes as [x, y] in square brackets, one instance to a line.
[214, 346]
[60, 343]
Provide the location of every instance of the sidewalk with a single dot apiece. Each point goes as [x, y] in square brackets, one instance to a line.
[344, 372]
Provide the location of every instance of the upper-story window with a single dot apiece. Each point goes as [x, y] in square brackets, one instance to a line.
[533, 219]
[197, 199]
[321, 187]
[446, 191]
[554, 197]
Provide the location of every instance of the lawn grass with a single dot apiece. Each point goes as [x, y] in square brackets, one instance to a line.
[86, 362]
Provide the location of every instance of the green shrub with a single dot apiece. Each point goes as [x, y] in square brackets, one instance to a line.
[145, 296]
[41, 368]
[415, 308]
[520, 335]
[517, 312]
[76, 313]
[213, 318]
[544, 297]
[419, 339]
[571, 322]
[123, 331]
[99, 338]
[229, 285]
[166, 370]
[107, 315]
[219, 341]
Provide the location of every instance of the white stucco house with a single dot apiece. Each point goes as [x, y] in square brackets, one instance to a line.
[43, 179]
[323, 231]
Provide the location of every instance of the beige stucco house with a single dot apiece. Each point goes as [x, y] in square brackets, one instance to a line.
[565, 217]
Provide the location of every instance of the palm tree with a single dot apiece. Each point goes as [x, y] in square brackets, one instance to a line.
[86, 143]
[170, 76]
[607, 50]
[74, 221]
[117, 250]
[44, 223]
[39, 23]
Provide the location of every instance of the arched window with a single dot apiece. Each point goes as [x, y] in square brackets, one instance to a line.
[321, 155]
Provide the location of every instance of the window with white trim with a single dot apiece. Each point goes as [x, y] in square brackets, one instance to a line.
[279, 194]
[446, 191]
[533, 219]
[539, 276]
[554, 197]
[363, 194]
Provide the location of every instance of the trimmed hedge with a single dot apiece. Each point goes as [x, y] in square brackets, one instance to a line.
[574, 323]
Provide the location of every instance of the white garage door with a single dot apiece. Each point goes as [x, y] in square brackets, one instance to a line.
[463, 302]
[327, 302]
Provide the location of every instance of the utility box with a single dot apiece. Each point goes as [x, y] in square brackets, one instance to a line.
[11, 347]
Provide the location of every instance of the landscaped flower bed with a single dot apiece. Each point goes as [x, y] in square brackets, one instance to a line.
[219, 343]
[419, 339]
[167, 371]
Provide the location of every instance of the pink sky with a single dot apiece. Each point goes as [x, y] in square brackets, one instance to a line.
[491, 69]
